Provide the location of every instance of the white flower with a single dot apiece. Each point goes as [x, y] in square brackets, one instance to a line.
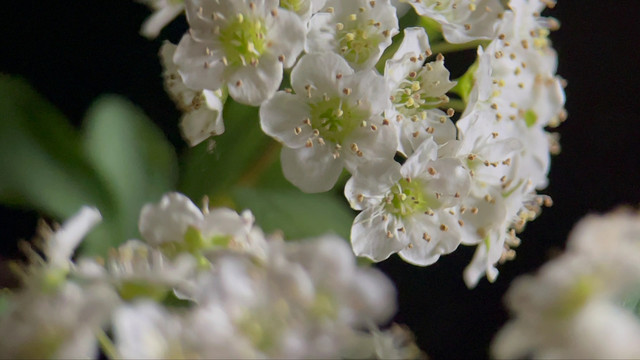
[359, 30]
[462, 20]
[307, 299]
[331, 121]
[411, 209]
[164, 11]
[202, 109]
[169, 219]
[573, 307]
[176, 225]
[58, 324]
[241, 44]
[417, 90]
[360, 296]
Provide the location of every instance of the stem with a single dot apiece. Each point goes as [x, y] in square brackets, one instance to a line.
[457, 104]
[252, 175]
[444, 47]
[107, 345]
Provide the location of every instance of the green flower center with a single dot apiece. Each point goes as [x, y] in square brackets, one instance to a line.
[293, 5]
[357, 41]
[336, 119]
[411, 100]
[244, 40]
[576, 297]
[408, 197]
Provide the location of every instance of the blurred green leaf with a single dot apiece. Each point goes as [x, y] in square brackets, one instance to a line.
[297, 214]
[41, 160]
[214, 166]
[135, 161]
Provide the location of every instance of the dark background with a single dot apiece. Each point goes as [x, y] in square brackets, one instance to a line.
[73, 51]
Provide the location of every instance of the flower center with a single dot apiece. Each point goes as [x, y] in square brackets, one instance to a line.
[293, 5]
[356, 41]
[411, 98]
[408, 197]
[244, 40]
[335, 119]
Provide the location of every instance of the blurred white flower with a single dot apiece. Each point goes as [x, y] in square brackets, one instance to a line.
[60, 245]
[58, 324]
[574, 306]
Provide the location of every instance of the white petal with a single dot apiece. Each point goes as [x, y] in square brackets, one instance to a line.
[282, 117]
[369, 235]
[60, 247]
[288, 37]
[197, 69]
[319, 71]
[371, 180]
[311, 169]
[199, 124]
[152, 26]
[168, 220]
[424, 252]
[253, 85]
[415, 42]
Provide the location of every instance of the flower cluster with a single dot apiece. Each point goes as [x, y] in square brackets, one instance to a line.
[202, 284]
[425, 178]
[583, 304]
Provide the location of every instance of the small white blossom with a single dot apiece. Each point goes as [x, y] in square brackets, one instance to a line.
[462, 20]
[202, 109]
[359, 30]
[332, 120]
[241, 44]
[411, 209]
[176, 224]
[417, 90]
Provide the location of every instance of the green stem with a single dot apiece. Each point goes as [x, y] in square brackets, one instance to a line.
[107, 345]
[253, 173]
[444, 47]
[457, 104]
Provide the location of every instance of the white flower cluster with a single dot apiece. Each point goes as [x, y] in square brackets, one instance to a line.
[202, 284]
[471, 182]
[583, 304]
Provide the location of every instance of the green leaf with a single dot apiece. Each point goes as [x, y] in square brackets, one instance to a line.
[465, 83]
[41, 159]
[297, 214]
[213, 167]
[134, 160]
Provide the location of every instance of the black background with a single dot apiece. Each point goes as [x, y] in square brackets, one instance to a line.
[73, 51]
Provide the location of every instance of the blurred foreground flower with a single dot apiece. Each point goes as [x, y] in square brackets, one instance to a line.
[585, 303]
[206, 284]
